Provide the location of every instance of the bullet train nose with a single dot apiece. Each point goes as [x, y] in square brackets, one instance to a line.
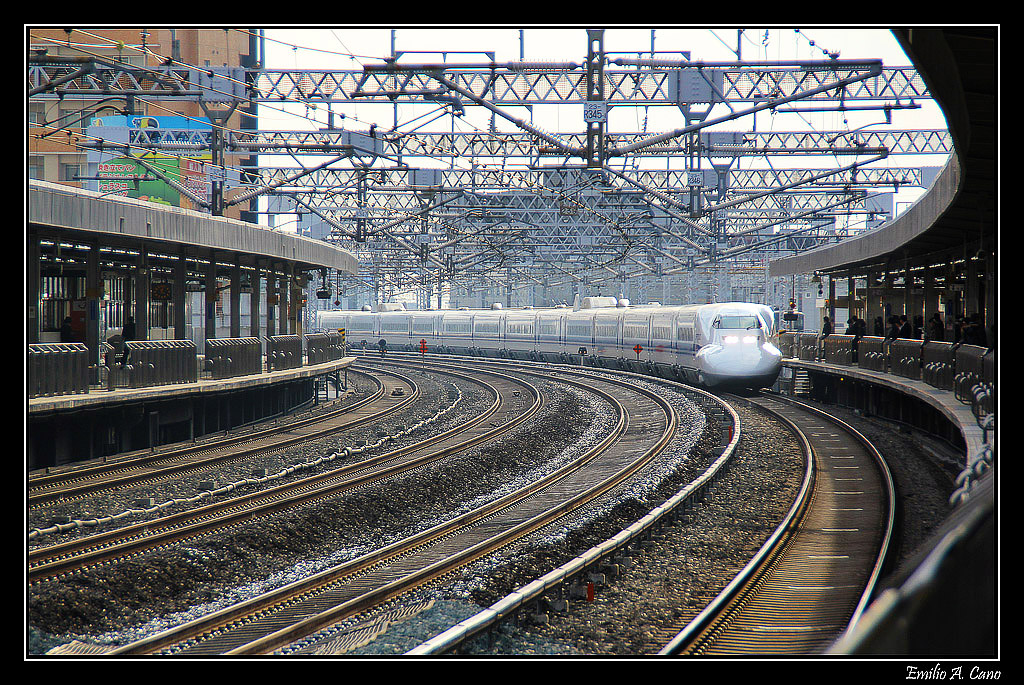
[739, 358]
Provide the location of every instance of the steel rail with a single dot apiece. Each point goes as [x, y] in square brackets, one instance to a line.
[131, 540]
[437, 568]
[106, 474]
[737, 597]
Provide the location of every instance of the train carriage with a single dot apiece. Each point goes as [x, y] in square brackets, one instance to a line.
[488, 332]
[550, 334]
[456, 332]
[520, 335]
[726, 344]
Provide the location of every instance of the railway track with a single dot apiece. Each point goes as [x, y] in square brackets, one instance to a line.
[645, 424]
[49, 488]
[814, 576]
[55, 560]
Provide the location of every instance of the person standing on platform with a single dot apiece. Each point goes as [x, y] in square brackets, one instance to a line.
[905, 330]
[66, 334]
[936, 329]
[826, 327]
[127, 333]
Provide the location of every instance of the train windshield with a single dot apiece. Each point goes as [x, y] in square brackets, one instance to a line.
[737, 322]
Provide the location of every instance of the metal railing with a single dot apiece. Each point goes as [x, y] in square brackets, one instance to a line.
[974, 379]
[938, 364]
[838, 349]
[323, 347]
[57, 369]
[160, 362]
[968, 370]
[905, 358]
[284, 352]
[228, 357]
[64, 368]
[873, 353]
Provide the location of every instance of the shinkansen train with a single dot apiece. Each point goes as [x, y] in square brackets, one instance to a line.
[715, 345]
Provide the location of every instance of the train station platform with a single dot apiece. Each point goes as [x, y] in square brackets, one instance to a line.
[100, 398]
[959, 414]
[940, 256]
[164, 392]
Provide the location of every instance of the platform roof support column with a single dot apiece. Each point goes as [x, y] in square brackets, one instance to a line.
[93, 287]
[254, 301]
[295, 297]
[282, 296]
[271, 299]
[180, 271]
[236, 300]
[32, 291]
[974, 295]
[851, 297]
[908, 280]
[141, 294]
[871, 307]
[887, 296]
[990, 297]
[832, 301]
[210, 299]
[931, 300]
[127, 297]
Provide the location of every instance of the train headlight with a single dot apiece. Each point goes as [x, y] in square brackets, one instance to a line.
[750, 339]
[730, 339]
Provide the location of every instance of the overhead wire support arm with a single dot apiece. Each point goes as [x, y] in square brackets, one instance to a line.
[795, 184]
[170, 181]
[874, 69]
[664, 198]
[437, 73]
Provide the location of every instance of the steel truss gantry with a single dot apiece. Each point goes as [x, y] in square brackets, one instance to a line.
[427, 208]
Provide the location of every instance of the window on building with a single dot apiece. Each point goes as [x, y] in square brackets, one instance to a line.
[70, 172]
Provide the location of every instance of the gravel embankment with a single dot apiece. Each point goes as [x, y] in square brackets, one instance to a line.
[670, 579]
[125, 601]
[663, 583]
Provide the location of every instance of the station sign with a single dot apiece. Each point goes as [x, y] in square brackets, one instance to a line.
[595, 112]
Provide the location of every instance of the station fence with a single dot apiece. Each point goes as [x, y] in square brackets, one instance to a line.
[967, 370]
[64, 368]
[57, 369]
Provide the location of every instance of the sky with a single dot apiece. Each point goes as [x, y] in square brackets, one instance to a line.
[351, 48]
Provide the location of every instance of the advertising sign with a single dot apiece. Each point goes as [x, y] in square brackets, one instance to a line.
[183, 158]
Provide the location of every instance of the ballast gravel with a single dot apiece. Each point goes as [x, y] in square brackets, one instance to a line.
[129, 600]
[661, 583]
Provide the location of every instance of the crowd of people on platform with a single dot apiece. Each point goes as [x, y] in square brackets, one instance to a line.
[969, 331]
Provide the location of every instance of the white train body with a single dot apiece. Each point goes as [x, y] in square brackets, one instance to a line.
[726, 344]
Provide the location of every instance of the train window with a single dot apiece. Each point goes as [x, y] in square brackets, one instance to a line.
[737, 322]
[361, 324]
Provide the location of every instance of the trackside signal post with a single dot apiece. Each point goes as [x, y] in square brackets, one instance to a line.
[638, 348]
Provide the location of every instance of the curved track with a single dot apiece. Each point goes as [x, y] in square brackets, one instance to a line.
[50, 561]
[47, 488]
[814, 577]
[274, 620]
